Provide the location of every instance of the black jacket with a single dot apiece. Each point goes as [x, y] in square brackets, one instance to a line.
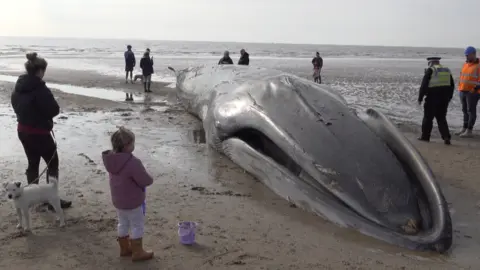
[146, 64]
[34, 103]
[444, 93]
[317, 62]
[244, 59]
[129, 59]
[225, 60]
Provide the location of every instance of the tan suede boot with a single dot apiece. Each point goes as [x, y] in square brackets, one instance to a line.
[125, 248]
[138, 254]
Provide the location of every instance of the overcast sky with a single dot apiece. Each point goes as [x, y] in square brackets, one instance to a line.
[438, 23]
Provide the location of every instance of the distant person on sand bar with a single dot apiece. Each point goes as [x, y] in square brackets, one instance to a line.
[226, 60]
[146, 64]
[244, 58]
[129, 63]
[35, 107]
[317, 63]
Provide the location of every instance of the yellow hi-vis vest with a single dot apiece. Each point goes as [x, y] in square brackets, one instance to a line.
[440, 76]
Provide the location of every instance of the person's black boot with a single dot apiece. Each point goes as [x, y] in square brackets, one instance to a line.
[145, 87]
[421, 138]
[148, 87]
[65, 204]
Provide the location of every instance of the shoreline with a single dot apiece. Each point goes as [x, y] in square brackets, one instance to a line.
[243, 224]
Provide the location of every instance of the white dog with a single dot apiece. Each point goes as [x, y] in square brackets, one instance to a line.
[138, 77]
[25, 197]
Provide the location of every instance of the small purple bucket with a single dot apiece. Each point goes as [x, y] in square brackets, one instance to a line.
[186, 232]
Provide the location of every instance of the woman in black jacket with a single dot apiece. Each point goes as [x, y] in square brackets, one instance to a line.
[35, 108]
[146, 63]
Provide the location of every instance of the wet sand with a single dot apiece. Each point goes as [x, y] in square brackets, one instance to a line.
[242, 224]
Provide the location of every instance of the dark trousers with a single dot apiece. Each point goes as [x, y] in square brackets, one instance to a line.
[38, 146]
[435, 109]
[469, 102]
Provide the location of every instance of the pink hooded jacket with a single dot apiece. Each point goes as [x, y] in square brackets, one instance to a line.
[128, 179]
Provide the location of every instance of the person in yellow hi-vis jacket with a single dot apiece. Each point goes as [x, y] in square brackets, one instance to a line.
[438, 87]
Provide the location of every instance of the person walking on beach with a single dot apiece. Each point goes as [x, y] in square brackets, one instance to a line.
[226, 60]
[35, 107]
[469, 89]
[244, 58]
[129, 63]
[438, 87]
[128, 179]
[146, 64]
[317, 63]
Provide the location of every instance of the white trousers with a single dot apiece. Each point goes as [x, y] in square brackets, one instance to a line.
[131, 220]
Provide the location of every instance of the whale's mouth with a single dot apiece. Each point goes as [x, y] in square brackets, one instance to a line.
[263, 144]
[266, 147]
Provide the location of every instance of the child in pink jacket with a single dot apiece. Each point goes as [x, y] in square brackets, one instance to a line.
[128, 180]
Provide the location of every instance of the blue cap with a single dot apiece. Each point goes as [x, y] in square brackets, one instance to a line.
[470, 50]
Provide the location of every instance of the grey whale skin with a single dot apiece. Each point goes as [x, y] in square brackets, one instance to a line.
[303, 142]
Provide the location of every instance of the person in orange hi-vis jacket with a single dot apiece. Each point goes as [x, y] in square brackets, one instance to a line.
[469, 88]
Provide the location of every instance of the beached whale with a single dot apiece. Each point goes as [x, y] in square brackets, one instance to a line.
[303, 141]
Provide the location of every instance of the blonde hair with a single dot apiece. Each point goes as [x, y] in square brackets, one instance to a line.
[121, 138]
[35, 63]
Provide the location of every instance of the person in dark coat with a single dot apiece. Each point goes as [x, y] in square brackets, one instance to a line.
[35, 108]
[438, 87]
[226, 60]
[146, 64]
[244, 58]
[130, 63]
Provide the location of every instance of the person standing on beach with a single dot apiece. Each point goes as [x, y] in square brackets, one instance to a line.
[129, 63]
[35, 107]
[226, 60]
[469, 88]
[244, 58]
[438, 87]
[317, 63]
[146, 64]
[128, 180]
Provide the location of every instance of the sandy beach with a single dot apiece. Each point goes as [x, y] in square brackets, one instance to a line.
[242, 224]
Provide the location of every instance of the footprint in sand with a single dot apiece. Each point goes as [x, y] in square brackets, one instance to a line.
[90, 161]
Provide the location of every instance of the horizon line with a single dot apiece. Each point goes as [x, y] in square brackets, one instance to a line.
[253, 42]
